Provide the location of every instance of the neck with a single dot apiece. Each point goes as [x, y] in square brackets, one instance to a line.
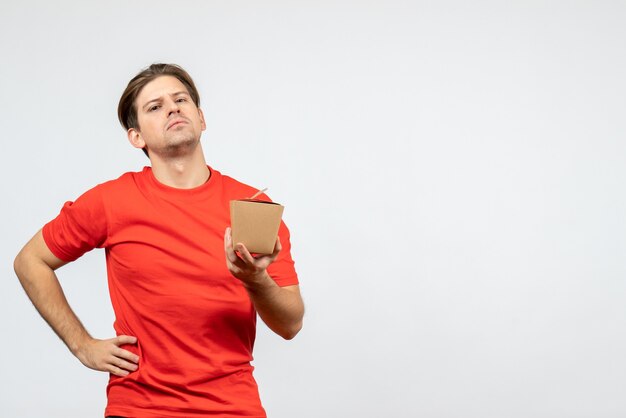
[182, 172]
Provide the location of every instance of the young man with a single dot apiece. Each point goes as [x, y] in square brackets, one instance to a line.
[185, 296]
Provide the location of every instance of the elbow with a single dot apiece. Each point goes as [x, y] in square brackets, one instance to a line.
[290, 333]
[18, 264]
[23, 265]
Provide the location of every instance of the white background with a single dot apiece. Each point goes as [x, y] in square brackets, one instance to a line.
[453, 174]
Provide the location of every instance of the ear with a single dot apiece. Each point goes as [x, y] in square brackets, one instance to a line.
[135, 139]
[203, 123]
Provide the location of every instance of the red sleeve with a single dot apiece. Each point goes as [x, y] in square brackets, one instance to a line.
[282, 270]
[80, 227]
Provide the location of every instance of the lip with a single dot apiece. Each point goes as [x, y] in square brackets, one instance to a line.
[176, 123]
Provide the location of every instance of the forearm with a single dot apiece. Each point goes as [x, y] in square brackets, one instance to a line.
[43, 288]
[280, 308]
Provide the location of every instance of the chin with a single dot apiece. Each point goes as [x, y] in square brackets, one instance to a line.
[180, 146]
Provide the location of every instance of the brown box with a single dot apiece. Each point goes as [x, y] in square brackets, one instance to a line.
[255, 224]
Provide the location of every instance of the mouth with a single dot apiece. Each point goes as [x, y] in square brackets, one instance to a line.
[176, 123]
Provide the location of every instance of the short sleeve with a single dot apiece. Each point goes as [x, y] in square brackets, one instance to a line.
[282, 270]
[80, 227]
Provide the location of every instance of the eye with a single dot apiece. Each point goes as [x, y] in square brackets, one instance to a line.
[181, 99]
[153, 108]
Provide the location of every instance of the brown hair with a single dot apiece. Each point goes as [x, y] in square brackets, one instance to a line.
[127, 109]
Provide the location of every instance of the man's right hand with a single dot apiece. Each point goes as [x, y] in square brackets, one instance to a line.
[107, 356]
[34, 266]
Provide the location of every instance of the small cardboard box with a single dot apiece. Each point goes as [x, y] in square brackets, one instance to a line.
[255, 224]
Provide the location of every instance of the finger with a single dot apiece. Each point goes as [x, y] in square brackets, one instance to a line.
[234, 270]
[233, 262]
[245, 254]
[124, 339]
[228, 239]
[126, 355]
[124, 365]
[114, 370]
[237, 266]
[231, 256]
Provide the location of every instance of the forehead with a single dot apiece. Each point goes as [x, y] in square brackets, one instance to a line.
[160, 86]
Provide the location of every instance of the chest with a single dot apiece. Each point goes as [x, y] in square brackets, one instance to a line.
[170, 246]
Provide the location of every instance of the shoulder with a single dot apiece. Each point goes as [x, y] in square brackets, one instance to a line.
[104, 194]
[235, 189]
[121, 184]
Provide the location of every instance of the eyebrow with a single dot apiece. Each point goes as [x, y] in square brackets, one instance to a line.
[178, 93]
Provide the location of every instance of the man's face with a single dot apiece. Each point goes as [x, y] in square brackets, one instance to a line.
[169, 122]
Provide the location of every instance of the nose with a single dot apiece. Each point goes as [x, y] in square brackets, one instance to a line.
[173, 107]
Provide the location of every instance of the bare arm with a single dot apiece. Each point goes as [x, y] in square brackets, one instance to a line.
[35, 266]
[281, 308]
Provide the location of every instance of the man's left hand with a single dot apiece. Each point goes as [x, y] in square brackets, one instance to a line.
[241, 264]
